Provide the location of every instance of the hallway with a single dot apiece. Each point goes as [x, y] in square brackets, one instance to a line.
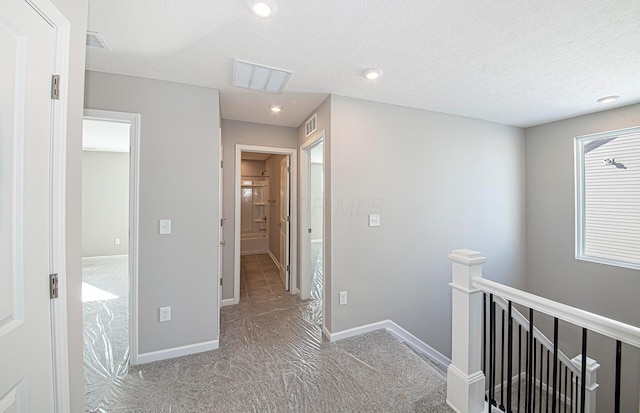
[272, 358]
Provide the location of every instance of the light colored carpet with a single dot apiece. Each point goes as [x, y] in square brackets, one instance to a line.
[272, 358]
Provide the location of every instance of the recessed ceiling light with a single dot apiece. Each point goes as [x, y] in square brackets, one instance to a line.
[264, 8]
[608, 99]
[275, 108]
[372, 74]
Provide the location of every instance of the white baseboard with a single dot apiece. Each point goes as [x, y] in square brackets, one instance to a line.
[356, 331]
[178, 351]
[417, 344]
[97, 257]
[275, 260]
[230, 301]
[326, 332]
[255, 252]
[399, 332]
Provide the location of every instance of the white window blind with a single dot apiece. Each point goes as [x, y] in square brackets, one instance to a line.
[608, 201]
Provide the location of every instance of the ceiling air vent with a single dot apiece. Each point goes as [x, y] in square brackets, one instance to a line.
[94, 39]
[311, 125]
[258, 77]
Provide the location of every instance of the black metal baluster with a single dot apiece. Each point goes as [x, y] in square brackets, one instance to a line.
[529, 362]
[618, 372]
[492, 340]
[509, 359]
[555, 365]
[583, 373]
[559, 390]
[571, 409]
[546, 401]
[502, 355]
[540, 379]
[533, 375]
[519, 362]
[566, 387]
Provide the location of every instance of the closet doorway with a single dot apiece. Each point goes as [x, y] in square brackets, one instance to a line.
[265, 221]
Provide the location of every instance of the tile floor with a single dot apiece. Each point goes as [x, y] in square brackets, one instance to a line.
[259, 276]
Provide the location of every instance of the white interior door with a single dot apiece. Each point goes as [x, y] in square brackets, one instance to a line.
[27, 43]
[284, 221]
[221, 229]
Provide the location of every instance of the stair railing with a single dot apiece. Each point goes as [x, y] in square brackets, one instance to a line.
[476, 340]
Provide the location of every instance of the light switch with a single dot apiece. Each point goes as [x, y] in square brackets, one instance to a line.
[374, 220]
[165, 227]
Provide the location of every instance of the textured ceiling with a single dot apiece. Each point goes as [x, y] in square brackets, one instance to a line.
[518, 62]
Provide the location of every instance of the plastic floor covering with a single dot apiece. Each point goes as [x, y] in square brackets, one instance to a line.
[272, 358]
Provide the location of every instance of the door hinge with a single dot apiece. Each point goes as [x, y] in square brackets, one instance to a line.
[309, 230]
[53, 286]
[288, 169]
[55, 87]
[287, 268]
[288, 218]
[221, 222]
[221, 282]
[221, 164]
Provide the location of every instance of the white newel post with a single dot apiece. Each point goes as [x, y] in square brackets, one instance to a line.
[591, 382]
[465, 380]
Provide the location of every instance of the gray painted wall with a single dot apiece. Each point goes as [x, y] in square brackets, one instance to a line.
[236, 132]
[178, 181]
[105, 203]
[273, 166]
[440, 182]
[324, 111]
[552, 270]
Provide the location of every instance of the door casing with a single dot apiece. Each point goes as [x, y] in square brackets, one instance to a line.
[293, 197]
[134, 196]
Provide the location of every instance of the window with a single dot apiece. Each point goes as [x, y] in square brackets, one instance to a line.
[608, 198]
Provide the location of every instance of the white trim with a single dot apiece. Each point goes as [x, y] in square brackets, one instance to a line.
[306, 274]
[594, 322]
[99, 257]
[178, 351]
[580, 201]
[417, 344]
[326, 332]
[59, 109]
[356, 331]
[230, 301]
[134, 119]
[293, 196]
[275, 260]
[398, 332]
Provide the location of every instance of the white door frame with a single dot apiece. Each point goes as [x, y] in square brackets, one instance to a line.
[134, 199]
[306, 274]
[293, 232]
[58, 195]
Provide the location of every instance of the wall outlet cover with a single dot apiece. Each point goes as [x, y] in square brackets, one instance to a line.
[165, 314]
[343, 298]
[374, 220]
[164, 227]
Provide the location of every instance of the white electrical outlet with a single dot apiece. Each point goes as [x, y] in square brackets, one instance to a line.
[116, 241]
[374, 220]
[165, 314]
[343, 297]
[164, 227]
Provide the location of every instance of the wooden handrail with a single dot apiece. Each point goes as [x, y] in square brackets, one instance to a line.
[611, 328]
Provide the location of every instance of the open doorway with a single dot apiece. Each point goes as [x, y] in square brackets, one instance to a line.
[109, 250]
[312, 225]
[265, 222]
